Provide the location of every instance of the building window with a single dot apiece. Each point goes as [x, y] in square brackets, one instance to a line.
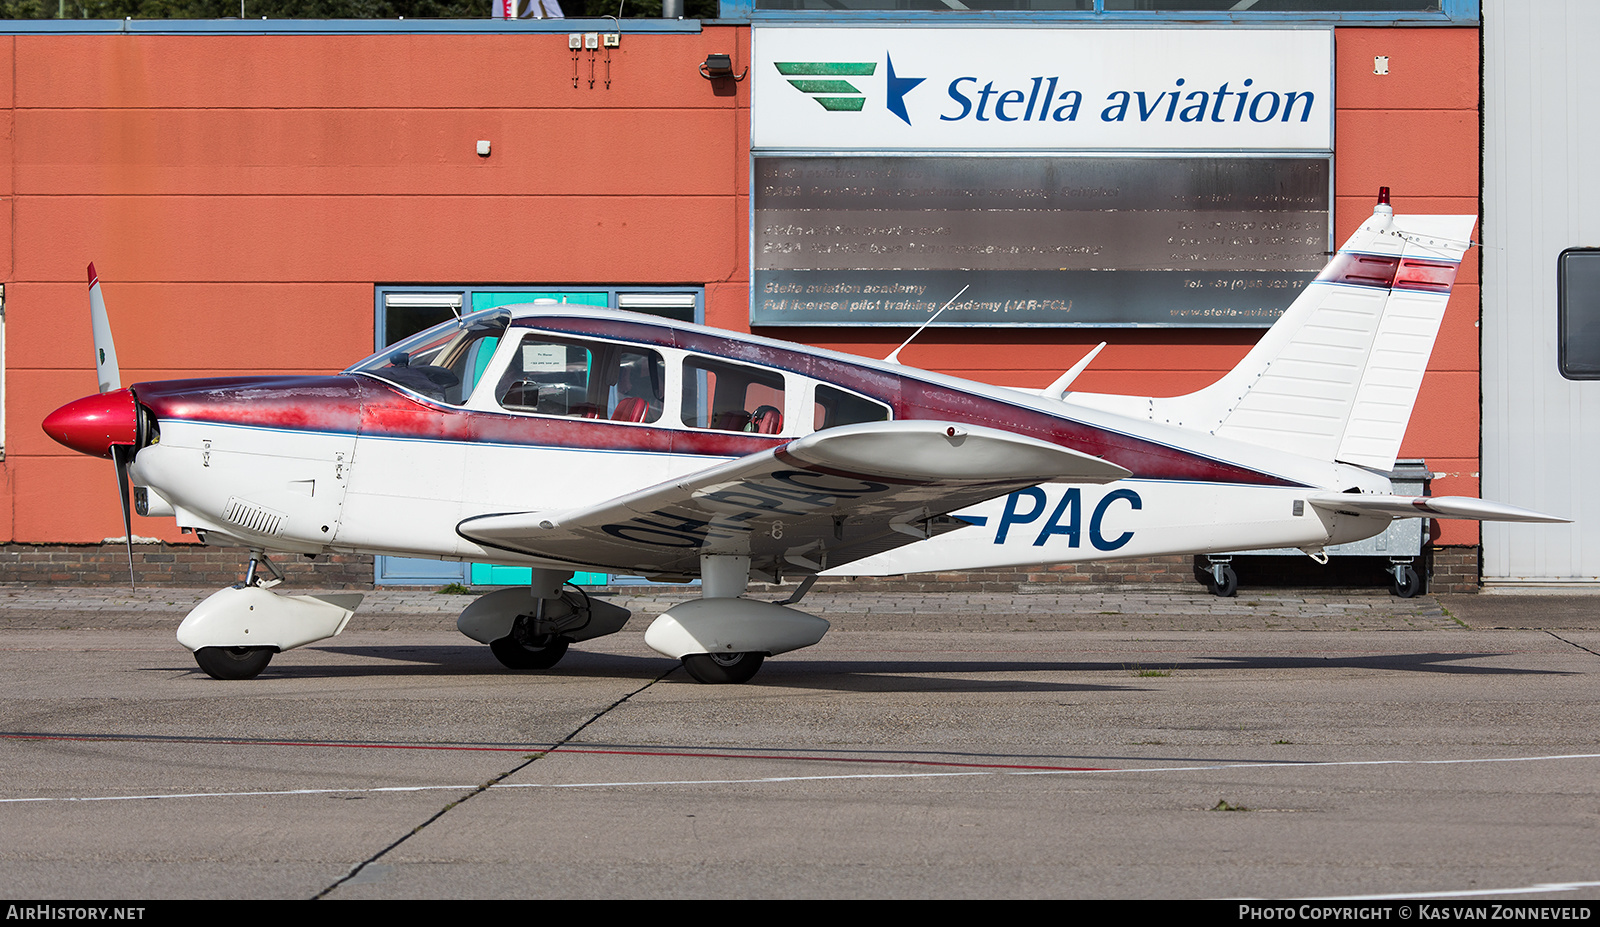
[1578, 302]
[404, 310]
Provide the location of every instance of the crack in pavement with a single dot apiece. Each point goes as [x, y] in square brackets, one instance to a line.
[484, 787]
[1572, 643]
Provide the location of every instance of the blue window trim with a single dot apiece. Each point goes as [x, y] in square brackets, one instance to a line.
[466, 291]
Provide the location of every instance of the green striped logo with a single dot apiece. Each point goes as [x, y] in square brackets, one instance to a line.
[825, 82]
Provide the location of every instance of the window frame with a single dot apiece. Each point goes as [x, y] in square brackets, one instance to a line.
[500, 367]
[1564, 360]
[818, 385]
[708, 363]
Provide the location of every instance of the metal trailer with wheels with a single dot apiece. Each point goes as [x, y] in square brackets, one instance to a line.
[1399, 549]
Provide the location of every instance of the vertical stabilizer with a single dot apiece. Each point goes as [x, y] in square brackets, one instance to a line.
[1336, 376]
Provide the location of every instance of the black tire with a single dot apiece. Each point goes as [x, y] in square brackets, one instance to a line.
[1228, 588]
[1407, 585]
[537, 653]
[233, 662]
[718, 668]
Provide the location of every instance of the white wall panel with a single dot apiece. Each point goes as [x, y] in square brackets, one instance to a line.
[1541, 432]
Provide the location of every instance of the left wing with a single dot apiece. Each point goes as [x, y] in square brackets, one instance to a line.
[820, 501]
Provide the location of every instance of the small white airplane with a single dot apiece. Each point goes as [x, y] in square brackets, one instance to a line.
[563, 437]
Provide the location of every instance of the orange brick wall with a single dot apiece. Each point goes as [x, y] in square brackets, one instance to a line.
[240, 195]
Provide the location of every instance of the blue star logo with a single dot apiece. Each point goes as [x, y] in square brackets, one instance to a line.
[898, 88]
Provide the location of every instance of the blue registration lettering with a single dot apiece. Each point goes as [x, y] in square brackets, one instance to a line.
[1012, 517]
[1072, 499]
[1098, 540]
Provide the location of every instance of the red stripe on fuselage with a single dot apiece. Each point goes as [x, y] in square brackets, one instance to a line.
[350, 404]
[914, 398]
[360, 405]
[329, 404]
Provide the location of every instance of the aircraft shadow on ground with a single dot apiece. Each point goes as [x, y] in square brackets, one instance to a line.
[869, 675]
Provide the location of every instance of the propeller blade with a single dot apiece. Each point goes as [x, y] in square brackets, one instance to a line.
[122, 455]
[105, 350]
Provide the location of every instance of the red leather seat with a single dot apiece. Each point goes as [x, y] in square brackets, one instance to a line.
[767, 420]
[631, 409]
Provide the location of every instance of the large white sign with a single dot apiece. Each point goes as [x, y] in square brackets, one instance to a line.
[898, 89]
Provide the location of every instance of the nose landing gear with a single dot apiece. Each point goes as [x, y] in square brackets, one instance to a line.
[235, 632]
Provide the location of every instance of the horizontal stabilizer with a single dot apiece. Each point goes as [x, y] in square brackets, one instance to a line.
[1427, 507]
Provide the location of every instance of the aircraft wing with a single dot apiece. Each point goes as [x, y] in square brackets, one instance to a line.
[1427, 506]
[819, 501]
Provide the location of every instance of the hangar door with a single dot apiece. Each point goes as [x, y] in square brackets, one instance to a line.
[1541, 424]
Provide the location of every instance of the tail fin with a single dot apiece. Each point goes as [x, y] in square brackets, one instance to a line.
[1337, 375]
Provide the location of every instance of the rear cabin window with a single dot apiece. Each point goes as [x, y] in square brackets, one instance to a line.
[731, 397]
[835, 407]
[583, 379]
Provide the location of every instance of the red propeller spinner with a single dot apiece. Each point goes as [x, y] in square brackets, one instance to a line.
[93, 424]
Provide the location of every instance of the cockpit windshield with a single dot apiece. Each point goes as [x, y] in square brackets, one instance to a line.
[444, 362]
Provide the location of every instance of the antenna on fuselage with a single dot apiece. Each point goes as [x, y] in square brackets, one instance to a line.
[894, 356]
[1058, 389]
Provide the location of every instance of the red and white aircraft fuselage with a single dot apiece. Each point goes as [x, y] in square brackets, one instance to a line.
[564, 438]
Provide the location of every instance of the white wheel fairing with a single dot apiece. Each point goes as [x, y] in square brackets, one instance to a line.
[729, 626]
[251, 616]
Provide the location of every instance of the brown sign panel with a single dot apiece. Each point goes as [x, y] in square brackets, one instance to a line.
[1057, 241]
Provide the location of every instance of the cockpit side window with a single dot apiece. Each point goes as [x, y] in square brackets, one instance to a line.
[638, 391]
[835, 407]
[732, 397]
[443, 363]
[554, 376]
[548, 377]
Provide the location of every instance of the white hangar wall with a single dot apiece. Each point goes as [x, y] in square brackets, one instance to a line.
[1541, 430]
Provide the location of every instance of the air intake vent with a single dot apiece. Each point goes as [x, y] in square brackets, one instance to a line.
[252, 517]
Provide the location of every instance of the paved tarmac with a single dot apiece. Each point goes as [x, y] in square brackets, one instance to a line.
[1103, 743]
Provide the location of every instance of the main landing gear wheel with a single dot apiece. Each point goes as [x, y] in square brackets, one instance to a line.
[1405, 583]
[538, 652]
[717, 668]
[233, 662]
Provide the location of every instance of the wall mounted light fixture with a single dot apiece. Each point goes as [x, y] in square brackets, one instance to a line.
[719, 66]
